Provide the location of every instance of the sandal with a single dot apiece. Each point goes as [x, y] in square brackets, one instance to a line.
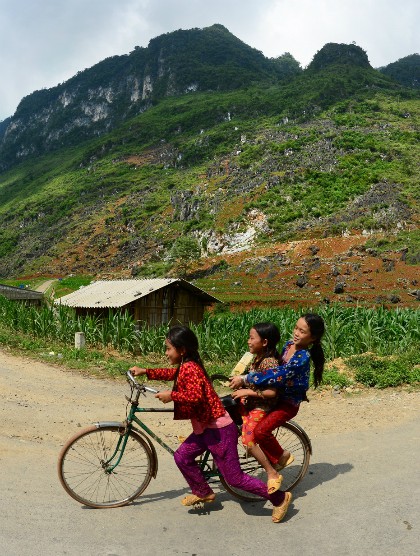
[279, 466]
[280, 511]
[273, 485]
[193, 500]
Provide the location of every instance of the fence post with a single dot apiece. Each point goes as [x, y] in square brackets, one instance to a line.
[79, 340]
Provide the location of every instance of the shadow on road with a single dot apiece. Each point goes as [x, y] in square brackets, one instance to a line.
[318, 474]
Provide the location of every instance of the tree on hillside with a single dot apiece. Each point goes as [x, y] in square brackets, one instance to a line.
[287, 65]
[185, 250]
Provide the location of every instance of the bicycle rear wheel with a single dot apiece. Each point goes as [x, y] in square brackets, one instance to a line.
[82, 467]
[291, 438]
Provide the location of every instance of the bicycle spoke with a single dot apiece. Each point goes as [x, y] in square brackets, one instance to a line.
[87, 472]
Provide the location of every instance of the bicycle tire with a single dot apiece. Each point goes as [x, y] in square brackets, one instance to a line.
[84, 478]
[291, 438]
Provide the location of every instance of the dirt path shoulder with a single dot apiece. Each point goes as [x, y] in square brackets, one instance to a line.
[43, 402]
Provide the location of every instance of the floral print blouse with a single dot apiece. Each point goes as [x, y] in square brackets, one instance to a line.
[291, 378]
[260, 403]
[193, 394]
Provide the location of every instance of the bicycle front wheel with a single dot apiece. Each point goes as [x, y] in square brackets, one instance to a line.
[292, 439]
[85, 473]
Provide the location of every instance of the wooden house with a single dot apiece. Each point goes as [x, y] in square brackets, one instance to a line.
[152, 301]
[31, 297]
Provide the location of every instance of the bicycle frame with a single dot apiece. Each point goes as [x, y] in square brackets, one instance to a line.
[93, 469]
[112, 462]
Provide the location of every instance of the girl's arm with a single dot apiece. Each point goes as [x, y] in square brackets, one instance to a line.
[154, 374]
[241, 380]
[266, 393]
[298, 364]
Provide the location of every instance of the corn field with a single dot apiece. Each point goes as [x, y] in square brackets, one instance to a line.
[222, 337]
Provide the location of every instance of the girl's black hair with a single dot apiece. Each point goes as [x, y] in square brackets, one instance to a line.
[317, 327]
[268, 331]
[182, 337]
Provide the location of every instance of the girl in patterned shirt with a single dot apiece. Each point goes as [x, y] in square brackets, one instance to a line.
[213, 429]
[291, 380]
[255, 401]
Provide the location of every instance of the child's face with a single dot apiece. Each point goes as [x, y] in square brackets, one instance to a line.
[174, 354]
[302, 336]
[256, 344]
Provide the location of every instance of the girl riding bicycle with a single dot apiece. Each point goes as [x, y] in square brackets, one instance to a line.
[291, 380]
[195, 398]
[256, 402]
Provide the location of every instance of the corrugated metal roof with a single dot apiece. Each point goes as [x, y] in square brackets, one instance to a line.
[118, 293]
[11, 292]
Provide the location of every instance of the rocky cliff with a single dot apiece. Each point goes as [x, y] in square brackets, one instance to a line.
[97, 99]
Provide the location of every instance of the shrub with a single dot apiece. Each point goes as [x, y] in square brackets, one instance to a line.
[382, 372]
[333, 377]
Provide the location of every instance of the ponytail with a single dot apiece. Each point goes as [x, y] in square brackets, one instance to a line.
[317, 328]
[318, 358]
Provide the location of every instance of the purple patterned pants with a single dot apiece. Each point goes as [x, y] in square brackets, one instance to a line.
[222, 444]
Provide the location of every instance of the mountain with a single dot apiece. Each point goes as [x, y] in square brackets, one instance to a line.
[339, 54]
[406, 71]
[97, 99]
[207, 181]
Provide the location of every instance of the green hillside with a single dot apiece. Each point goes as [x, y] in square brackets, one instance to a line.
[333, 148]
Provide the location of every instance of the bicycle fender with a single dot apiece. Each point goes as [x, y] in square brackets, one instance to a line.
[104, 424]
[307, 439]
[119, 424]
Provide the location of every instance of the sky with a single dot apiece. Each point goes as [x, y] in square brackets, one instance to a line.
[45, 42]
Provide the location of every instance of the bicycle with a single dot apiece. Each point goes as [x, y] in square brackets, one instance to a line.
[110, 464]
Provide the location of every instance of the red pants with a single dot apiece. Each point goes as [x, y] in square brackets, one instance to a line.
[263, 431]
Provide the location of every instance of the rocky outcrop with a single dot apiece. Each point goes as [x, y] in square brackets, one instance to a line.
[97, 99]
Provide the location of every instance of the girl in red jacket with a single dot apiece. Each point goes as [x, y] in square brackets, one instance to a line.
[195, 398]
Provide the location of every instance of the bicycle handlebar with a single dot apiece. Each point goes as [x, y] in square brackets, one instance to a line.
[140, 387]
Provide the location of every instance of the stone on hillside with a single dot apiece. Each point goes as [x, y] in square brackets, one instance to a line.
[388, 265]
[403, 252]
[301, 281]
[339, 287]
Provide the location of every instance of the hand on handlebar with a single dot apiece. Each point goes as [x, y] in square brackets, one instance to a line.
[136, 371]
[165, 396]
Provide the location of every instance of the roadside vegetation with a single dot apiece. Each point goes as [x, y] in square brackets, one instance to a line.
[379, 347]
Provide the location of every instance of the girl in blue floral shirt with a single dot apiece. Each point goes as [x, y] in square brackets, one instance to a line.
[291, 381]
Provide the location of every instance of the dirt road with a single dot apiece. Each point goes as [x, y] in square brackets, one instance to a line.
[360, 496]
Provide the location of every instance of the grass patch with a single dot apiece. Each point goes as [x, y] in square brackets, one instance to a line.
[67, 285]
[333, 377]
[381, 372]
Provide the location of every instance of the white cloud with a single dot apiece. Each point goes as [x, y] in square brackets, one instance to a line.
[46, 42]
[383, 28]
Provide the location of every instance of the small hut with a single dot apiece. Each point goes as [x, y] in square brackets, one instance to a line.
[30, 297]
[153, 301]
